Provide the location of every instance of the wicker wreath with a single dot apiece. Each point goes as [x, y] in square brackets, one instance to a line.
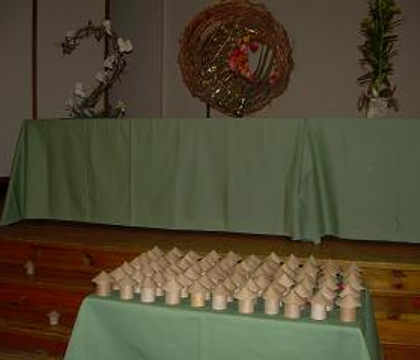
[235, 57]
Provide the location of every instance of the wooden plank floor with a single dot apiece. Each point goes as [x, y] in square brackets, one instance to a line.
[378, 255]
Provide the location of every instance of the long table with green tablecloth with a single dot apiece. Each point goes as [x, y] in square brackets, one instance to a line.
[109, 329]
[302, 178]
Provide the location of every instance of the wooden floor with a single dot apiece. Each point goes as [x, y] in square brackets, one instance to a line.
[376, 254]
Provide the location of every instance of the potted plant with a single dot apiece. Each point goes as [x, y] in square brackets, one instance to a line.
[378, 50]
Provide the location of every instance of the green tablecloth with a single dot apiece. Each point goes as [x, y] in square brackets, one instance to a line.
[351, 178]
[112, 329]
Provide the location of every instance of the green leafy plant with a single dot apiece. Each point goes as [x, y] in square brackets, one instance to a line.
[378, 50]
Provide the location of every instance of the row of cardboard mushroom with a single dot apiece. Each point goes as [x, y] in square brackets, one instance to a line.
[288, 284]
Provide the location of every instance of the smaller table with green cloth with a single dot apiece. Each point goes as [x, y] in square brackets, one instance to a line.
[109, 328]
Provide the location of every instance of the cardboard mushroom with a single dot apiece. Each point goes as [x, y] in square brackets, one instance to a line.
[192, 274]
[214, 256]
[185, 283]
[354, 280]
[319, 305]
[219, 297]
[348, 308]
[157, 251]
[126, 286]
[103, 283]
[292, 262]
[197, 294]
[216, 273]
[127, 268]
[172, 290]
[310, 269]
[183, 264]
[192, 257]
[293, 304]
[305, 279]
[304, 292]
[285, 268]
[54, 318]
[207, 283]
[272, 299]
[238, 279]
[273, 257]
[328, 281]
[138, 277]
[329, 294]
[231, 287]
[148, 290]
[262, 282]
[349, 290]
[284, 280]
[159, 280]
[246, 300]
[117, 274]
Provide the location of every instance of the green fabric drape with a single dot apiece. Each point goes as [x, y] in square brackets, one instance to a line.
[113, 329]
[302, 178]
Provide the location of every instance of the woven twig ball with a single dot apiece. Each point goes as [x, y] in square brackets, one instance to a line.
[235, 57]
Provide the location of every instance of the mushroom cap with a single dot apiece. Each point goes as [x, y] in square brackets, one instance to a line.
[216, 273]
[176, 268]
[327, 292]
[320, 299]
[163, 262]
[348, 302]
[213, 255]
[238, 279]
[262, 281]
[192, 256]
[125, 266]
[292, 297]
[191, 273]
[303, 291]
[197, 288]
[102, 278]
[148, 283]
[183, 280]
[155, 266]
[156, 250]
[329, 282]
[183, 263]
[274, 257]
[206, 281]
[179, 253]
[307, 283]
[349, 290]
[138, 275]
[117, 274]
[147, 269]
[229, 284]
[168, 273]
[126, 281]
[245, 293]
[220, 289]
[285, 280]
[136, 263]
[233, 256]
[205, 264]
[312, 260]
[172, 285]
[310, 269]
[286, 268]
[272, 293]
[293, 262]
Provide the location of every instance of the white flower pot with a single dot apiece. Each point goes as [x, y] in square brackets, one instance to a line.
[378, 107]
